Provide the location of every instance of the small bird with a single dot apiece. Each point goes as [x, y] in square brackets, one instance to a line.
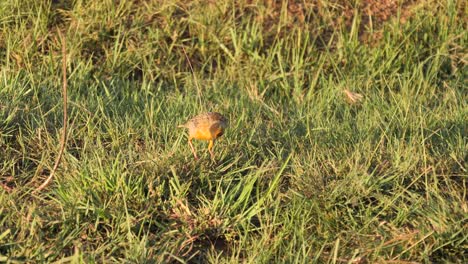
[208, 126]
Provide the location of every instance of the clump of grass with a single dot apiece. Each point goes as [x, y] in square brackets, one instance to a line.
[301, 175]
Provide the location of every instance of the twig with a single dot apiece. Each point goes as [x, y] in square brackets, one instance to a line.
[63, 139]
[194, 76]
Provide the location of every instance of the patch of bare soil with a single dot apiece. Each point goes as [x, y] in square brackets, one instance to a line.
[373, 14]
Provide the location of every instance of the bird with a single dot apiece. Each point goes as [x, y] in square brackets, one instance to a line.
[207, 126]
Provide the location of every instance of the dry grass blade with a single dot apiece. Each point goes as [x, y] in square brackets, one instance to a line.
[6, 188]
[63, 139]
[353, 98]
[194, 76]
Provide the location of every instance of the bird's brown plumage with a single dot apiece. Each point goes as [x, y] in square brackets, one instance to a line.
[208, 126]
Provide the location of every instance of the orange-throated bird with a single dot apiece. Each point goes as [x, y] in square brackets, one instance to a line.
[208, 126]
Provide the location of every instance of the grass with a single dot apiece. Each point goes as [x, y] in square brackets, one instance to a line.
[301, 176]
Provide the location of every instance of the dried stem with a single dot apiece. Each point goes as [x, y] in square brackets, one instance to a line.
[63, 139]
[194, 76]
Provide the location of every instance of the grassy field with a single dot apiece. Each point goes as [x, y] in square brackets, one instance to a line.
[301, 175]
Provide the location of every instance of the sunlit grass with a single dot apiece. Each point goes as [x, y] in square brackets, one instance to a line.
[301, 175]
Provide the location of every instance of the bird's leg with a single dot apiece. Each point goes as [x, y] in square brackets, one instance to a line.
[210, 149]
[193, 149]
